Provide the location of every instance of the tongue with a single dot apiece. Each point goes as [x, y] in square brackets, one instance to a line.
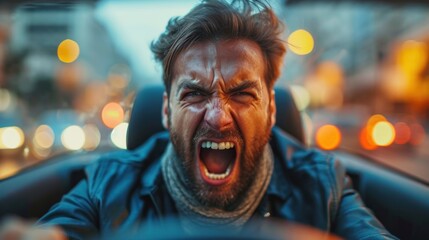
[217, 161]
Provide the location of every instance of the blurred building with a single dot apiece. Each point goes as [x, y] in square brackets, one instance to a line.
[36, 32]
[364, 40]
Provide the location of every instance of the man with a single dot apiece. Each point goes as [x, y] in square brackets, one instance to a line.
[222, 163]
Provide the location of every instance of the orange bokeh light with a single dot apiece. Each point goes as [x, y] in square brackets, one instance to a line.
[68, 51]
[374, 119]
[403, 133]
[365, 139]
[112, 114]
[328, 137]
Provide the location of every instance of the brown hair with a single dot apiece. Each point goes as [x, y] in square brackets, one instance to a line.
[217, 20]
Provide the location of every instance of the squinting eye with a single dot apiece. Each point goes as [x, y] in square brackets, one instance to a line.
[244, 94]
[193, 94]
[243, 97]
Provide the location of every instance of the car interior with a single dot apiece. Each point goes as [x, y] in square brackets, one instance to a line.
[399, 201]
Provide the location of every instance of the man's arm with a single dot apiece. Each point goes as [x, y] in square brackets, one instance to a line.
[76, 213]
[353, 220]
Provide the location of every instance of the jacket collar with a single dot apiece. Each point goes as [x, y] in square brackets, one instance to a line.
[283, 147]
[150, 154]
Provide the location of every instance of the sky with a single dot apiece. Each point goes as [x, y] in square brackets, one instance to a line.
[133, 25]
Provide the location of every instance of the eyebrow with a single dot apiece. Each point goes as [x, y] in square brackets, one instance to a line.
[191, 86]
[246, 84]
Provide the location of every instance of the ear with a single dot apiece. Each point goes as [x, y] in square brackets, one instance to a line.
[272, 107]
[165, 111]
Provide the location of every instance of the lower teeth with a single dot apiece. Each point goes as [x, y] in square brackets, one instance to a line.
[215, 176]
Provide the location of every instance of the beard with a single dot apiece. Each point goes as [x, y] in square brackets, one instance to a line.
[226, 196]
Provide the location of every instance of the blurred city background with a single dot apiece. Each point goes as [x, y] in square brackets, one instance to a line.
[358, 70]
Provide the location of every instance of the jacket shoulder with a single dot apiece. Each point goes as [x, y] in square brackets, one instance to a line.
[313, 172]
[294, 156]
[127, 166]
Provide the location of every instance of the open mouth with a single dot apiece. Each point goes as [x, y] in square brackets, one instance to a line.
[217, 161]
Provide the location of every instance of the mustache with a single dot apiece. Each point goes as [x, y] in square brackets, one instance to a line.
[205, 131]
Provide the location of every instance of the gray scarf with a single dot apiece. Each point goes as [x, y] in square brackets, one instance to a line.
[194, 215]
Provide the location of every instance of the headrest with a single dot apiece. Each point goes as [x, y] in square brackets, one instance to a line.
[146, 120]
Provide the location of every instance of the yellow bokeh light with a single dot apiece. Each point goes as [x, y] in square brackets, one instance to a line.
[112, 114]
[412, 56]
[73, 137]
[301, 97]
[301, 42]
[119, 136]
[383, 133]
[11, 137]
[328, 137]
[44, 137]
[68, 51]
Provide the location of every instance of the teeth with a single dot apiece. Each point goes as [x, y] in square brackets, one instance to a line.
[217, 146]
[221, 146]
[218, 176]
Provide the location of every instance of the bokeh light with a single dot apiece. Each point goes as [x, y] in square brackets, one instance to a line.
[403, 133]
[68, 51]
[412, 56]
[11, 137]
[365, 139]
[383, 133]
[301, 97]
[119, 135]
[92, 137]
[73, 137]
[374, 119]
[301, 42]
[44, 137]
[112, 114]
[328, 137]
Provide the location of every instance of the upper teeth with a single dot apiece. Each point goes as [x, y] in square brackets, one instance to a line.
[220, 146]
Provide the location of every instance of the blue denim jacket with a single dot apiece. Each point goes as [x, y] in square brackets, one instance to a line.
[125, 188]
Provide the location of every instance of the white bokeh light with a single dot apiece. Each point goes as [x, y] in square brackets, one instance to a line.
[73, 137]
[12, 137]
[119, 135]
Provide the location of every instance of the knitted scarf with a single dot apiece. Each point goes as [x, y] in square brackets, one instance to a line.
[194, 216]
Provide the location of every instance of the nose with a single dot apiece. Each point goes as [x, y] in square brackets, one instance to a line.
[218, 116]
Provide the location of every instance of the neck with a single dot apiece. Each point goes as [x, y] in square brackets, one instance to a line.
[194, 215]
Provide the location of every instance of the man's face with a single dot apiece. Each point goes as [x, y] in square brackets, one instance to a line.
[219, 113]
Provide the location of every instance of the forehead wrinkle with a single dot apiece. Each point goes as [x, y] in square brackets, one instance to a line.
[245, 62]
